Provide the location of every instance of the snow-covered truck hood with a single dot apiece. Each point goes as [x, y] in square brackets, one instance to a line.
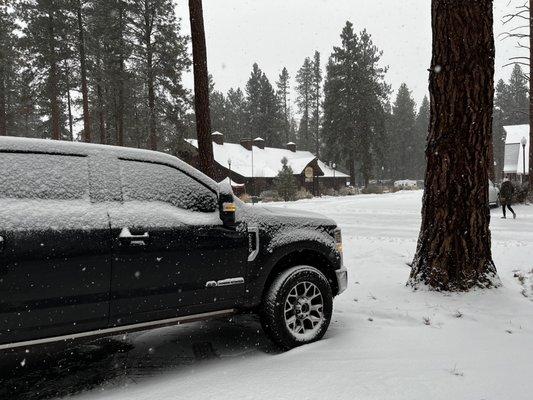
[264, 216]
[304, 217]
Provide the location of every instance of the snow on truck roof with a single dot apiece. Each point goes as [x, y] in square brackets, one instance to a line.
[514, 153]
[10, 143]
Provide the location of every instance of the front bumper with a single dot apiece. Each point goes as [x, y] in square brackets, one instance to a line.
[342, 279]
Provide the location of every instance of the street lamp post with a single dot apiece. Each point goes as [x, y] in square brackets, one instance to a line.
[253, 182]
[382, 171]
[523, 142]
[334, 180]
[229, 165]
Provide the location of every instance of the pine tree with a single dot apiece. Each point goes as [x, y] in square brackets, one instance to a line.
[83, 71]
[236, 114]
[217, 104]
[263, 106]
[454, 246]
[354, 98]
[271, 117]
[283, 85]
[253, 101]
[304, 90]
[285, 181]
[421, 132]
[46, 39]
[8, 67]
[316, 99]
[404, 135]
[159, 54]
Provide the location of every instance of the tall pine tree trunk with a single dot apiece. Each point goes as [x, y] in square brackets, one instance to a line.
[120, 107]
[151, 108]
[83, 74]
[69, 109]
[53, 79]
[3, 111]
[454, 246]
[148, 21]
[201, 88]
[351, 168]
[101, 113]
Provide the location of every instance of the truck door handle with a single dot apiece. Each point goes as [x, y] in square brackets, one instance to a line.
[138, 240]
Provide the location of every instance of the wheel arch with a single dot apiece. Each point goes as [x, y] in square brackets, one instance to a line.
[305, 256]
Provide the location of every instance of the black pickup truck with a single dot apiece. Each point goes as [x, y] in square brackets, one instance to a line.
[99, 240]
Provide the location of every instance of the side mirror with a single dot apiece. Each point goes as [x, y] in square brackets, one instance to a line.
[227, 208]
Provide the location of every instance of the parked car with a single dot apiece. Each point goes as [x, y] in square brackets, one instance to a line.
[99, 240]
[494, 195]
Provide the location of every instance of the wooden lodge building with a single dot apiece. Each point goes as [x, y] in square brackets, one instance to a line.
[253, 167]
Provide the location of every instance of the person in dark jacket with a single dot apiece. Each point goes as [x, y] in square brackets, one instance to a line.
[506, 196]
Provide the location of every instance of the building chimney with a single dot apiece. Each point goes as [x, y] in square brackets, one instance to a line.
[246, 143]
[291, 146]
[217, 138]
[259, 142]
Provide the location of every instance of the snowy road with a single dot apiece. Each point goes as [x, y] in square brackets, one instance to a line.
[385, 341]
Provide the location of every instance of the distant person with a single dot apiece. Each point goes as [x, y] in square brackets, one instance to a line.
[506, 196]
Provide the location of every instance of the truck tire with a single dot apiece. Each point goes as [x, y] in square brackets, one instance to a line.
[297, 307]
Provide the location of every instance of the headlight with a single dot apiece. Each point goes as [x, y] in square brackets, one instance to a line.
[338, 240]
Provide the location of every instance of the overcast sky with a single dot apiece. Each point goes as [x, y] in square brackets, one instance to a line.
[278, 33]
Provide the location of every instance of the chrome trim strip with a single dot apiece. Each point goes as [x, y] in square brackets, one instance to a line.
[255, 231]
[121, 329]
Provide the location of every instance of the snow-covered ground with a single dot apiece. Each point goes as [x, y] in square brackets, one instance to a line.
[385, 341]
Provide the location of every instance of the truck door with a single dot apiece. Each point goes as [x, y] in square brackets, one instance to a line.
[54, 248]
[170, 245]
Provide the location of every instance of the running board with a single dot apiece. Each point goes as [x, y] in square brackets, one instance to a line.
[122, 329]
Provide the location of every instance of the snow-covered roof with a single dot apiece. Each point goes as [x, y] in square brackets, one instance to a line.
[514, 153]
[267, 161]
[329, 173]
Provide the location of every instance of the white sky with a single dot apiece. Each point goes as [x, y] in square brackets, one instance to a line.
[277, 33]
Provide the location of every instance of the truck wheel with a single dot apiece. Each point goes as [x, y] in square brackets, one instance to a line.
[297, 307]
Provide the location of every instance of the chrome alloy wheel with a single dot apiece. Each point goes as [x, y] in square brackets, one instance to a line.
[304, 310]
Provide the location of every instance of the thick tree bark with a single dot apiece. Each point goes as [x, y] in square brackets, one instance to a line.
[3, 110]
[83, 73]
[53, 80]
[201, 88]
[454, 246]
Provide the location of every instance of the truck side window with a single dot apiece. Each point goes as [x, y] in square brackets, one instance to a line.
[43, 176]
[145, 181]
